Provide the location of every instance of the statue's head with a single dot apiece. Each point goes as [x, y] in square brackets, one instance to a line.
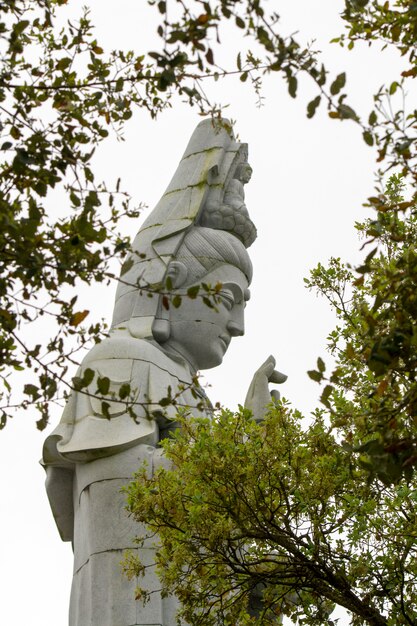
[198, 331]
[244, 173]
[192, 237]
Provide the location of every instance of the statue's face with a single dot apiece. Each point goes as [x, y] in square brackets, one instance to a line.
[202, 334]
[246, 174]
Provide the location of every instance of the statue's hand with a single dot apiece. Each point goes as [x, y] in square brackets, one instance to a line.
[259, 395]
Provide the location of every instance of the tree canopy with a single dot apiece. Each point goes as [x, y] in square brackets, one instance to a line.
[260, 521]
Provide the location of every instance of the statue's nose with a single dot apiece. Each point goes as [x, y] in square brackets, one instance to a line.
[235, 329]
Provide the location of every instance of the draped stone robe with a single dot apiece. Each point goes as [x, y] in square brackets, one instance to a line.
[89, 458]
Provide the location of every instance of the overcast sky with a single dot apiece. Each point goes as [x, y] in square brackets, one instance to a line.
[310, 179]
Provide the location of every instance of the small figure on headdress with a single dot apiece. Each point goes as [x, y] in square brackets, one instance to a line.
[231, 213]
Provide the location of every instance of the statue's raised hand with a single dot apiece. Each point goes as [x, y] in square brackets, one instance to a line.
[259, 395]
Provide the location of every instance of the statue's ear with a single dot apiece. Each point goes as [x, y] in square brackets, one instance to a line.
[178, 273]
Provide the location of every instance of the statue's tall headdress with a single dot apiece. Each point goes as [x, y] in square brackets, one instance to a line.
[198, 194]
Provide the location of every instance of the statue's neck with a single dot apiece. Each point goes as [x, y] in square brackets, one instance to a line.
[176, 352]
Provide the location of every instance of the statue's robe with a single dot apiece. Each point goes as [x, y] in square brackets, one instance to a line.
[89, 458]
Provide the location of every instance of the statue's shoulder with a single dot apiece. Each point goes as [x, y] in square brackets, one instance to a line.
[120, 350]
[119, 347]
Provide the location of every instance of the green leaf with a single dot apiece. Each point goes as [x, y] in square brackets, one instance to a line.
[75, 199]
[88, 376]
[346, 112]
[103, 385]
[312, 106]
[31, 390]
[20, 26]
[292, 86]
[208, 302]
[63, 64]
[324, 398]
[192, 292]
[368, 138]
[322, 77]
[127, 265]
[316, 376]
[105, 406]
[338, 84]
[15, 132]
[393, 88]
[210, 56]
[78, 317]
[79, 382]
[124, 391]
[321, 365]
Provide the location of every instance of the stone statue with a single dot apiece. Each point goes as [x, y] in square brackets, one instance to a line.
[198, 233]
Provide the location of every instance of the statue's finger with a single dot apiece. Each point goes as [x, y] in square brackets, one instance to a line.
[267, 367]
[277, 377]
[275, 395]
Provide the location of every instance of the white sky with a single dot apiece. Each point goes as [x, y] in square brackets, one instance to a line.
[310, 179]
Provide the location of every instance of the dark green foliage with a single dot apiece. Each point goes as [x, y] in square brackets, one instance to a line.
[374, 395]
[275, 516]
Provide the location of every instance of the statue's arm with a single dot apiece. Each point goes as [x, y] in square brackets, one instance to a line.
[259, 395]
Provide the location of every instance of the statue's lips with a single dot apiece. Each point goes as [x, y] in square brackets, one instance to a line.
[225, 339]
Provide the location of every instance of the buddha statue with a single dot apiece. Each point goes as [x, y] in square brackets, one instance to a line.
[160, 338]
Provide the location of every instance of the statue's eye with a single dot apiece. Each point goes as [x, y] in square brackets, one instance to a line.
[227, 298]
